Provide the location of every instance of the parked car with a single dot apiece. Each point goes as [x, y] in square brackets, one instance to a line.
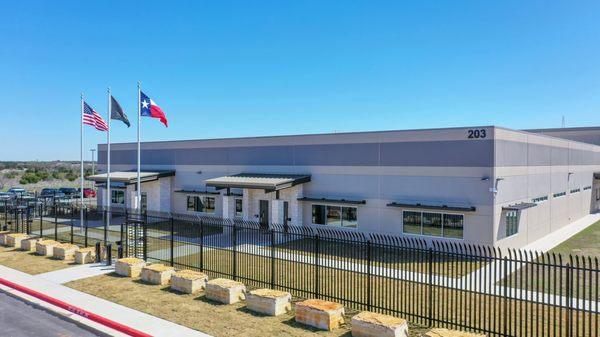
[6, 196]
[69, 192]
[18, 192]
[89, 193]
[49, 192]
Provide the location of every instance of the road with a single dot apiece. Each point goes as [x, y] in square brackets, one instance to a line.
[19, 319]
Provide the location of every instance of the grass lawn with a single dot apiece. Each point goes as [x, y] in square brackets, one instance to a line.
[585, 243]
[29, 262]
[401, 258]
[198, 313]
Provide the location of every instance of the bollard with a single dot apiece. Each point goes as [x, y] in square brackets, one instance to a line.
[109, 254]
[98, 253]
[120, 252]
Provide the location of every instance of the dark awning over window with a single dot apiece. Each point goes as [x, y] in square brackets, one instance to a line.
[336, 201]
[196, 192]
[519, 207]
[433, 207]
[262, 181]
[130, 177]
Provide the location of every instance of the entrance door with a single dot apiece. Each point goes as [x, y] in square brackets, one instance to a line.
[263, 213]
[144, 203]
[286, 212]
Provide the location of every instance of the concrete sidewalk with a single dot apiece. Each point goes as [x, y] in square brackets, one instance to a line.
[62, 276]
[135, 319]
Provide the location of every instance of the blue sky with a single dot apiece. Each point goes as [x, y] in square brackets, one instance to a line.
[249, 68]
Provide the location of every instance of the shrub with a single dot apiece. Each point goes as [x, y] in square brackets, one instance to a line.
[11, 174]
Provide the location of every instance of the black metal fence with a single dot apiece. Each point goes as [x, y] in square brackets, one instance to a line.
[460, 286]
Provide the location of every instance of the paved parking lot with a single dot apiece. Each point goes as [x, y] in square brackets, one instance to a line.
[19, 319]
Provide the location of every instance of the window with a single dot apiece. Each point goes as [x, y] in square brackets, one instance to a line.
[587, 188]
[350, 217]
[191, 204]
[597, 194]
[201, 204]
[575, 190]
[433, 224]
[539, 199]
[318, 214]
[453, 226]
[336, 216]
[412, 222]
[559, 194]
[239, 210]
[117, 197]
[512, 223]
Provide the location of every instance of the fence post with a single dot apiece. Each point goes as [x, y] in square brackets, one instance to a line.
[505, 296]
[201, 246]
[5, 215]
[17, 219]
[234, 240]
[106, 221]
[172, 242]
[29, 220]
[109, 254]
[569, 295]
[41, 220]
[55, 221]
[272, 258]
[72, 214]
[145, 239]
[98, 253]
[85, 223]
[317, 266]
[430, 286]
[369, 275]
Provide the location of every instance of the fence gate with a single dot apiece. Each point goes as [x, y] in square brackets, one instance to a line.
[134, 238]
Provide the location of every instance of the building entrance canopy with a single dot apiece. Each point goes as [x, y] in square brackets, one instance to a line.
[130, 177]
[263, 181]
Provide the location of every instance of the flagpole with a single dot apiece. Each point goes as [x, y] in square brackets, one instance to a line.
[139, 185]
[108, 195]
[81, 172]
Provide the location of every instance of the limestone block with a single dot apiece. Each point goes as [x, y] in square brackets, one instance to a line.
[129, 266]
[85, 255]
[45, 247]
[269, 302]
[225, 291]
[439, 332]
[65, 251]
[157, 274]
[370, 324]
[14, 239]
[3, 237]
[320, 314]
[29, 244]
[188, 281]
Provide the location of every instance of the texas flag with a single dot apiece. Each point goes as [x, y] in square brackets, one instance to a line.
[149, 108]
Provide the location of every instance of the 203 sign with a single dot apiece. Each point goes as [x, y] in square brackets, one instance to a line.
[477, 133]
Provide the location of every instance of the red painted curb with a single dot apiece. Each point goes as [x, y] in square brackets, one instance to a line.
[78, 311]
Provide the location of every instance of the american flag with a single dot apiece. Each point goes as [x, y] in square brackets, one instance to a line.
[91, 117]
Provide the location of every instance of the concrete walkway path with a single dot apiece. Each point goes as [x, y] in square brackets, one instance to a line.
[135, 319]
[76, 273]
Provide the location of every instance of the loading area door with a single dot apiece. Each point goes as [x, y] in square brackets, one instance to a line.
[263, 213]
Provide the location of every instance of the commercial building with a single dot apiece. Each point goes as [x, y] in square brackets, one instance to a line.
[485, 185]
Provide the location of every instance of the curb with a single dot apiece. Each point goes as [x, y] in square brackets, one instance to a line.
[73, 310]
[60, 313]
